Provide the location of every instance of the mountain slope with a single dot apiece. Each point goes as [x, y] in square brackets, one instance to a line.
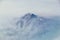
[32, 27]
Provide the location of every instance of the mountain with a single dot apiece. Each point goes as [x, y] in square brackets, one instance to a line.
[33, 27]
[31, 24]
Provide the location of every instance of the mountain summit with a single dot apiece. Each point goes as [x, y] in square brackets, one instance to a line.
[33, 21]
[29, 19]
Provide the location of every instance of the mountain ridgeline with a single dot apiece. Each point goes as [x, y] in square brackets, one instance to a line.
[33, 27]
[36, 26]
[37, 21]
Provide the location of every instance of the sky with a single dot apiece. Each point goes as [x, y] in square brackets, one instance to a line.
[39, 7]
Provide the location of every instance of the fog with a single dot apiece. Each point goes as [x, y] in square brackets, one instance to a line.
[12, 16]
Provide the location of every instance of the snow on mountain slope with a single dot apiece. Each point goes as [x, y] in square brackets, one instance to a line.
[32, 27]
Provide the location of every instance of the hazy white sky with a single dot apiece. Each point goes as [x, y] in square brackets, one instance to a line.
[16, 7]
